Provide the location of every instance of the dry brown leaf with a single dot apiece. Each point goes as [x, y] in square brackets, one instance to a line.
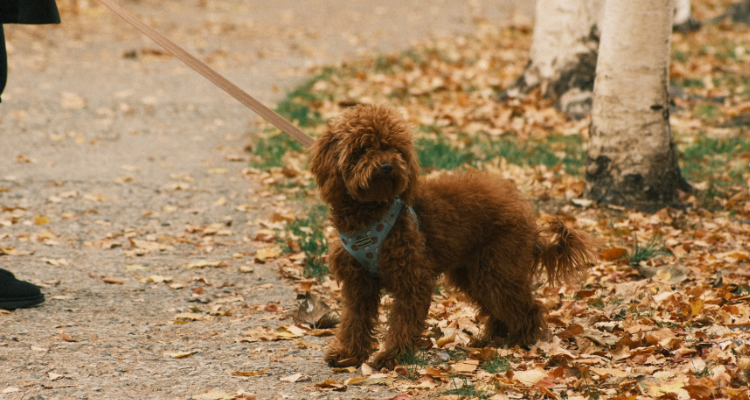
[251, 373]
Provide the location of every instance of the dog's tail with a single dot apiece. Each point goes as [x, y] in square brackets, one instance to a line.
[565, 253]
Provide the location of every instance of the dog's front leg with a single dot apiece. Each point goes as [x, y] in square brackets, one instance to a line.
[406, 321]
[360, 290]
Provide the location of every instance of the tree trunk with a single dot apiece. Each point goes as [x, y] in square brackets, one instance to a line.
[563, 50]
[565, 47]
[684, 20]
[631, 158]
[741, 12]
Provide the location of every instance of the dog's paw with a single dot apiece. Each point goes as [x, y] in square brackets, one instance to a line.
[384, 360]
[339, 357]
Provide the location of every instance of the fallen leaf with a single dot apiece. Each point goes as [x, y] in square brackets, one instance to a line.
[213, 395]
[329, 385]
[156, 279]
[288, 332]
[346, 369]
[251, 373]
[315, 313]
[136, 267]
[530, 377]
[259, 334]
[658, 386]
[612, 254]
[60, 262]
[190, 316]
[447, 339]
[466, 366]
[368, 381]
[68, 338]
[268, 252]
[295, 378]
[54, 377]
[203, 264]
[118, 281]
[181, 354]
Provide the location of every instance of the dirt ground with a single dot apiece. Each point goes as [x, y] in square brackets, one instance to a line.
[119, 164]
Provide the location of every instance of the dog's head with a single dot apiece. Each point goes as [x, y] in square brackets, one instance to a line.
[367, 154]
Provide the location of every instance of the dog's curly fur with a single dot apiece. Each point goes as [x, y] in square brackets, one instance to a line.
[474, 228]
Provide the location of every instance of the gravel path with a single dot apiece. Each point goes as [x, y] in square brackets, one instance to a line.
[119, 164]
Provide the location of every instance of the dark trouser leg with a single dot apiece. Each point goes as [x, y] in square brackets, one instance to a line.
[3, 62]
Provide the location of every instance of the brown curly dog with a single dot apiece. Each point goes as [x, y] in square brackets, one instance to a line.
[476, 229]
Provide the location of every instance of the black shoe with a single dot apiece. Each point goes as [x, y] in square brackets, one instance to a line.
[17, 294]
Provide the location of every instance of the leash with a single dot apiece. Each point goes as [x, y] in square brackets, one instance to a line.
[213, 76]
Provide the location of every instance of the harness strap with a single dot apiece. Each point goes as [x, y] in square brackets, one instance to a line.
[365, 244]
[213, 76]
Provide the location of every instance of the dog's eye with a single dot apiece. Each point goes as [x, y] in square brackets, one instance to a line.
[363, 150]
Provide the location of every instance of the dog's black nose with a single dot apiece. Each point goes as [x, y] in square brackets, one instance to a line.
[387, 168]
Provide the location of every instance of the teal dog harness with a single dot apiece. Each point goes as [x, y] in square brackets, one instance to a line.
[365, 244]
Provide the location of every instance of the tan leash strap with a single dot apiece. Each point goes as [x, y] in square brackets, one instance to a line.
[213, 76]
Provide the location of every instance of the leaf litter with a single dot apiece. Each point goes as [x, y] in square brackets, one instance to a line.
[663, 314]
[672, 323]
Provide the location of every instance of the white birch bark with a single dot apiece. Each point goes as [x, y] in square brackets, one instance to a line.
[631, 158]
[565, 37]
[684, 20]
[682, 12]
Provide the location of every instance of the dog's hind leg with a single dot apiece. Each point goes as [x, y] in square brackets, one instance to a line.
[504, 297]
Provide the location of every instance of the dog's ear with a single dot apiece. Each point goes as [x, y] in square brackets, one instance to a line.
[412, 162]
[324, 166]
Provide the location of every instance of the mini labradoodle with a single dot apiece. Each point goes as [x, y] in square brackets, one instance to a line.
[400, 232]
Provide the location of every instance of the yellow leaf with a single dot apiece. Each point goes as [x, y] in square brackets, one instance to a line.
[253, 373]
[136, 267]
[190, 316]
[530, 377]
[288, 332]
[181, 354]
[268, 252]
[447, 339]
[466, 366]
[41, 220]
[696, 305]
[347, 369]
[202, 264]
[310, 345]
[213, 395]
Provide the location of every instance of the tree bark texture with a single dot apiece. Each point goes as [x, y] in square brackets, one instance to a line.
[631, 158]
[564, 47]
[684, 20]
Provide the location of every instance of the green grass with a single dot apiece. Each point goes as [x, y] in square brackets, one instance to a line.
[295, 107]
[644, 253]
[707, 111]
[312, 240]
[438, 152]
[413, 360]
[496, 364]
[467, 391]
[716, 160]
[271, 150]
